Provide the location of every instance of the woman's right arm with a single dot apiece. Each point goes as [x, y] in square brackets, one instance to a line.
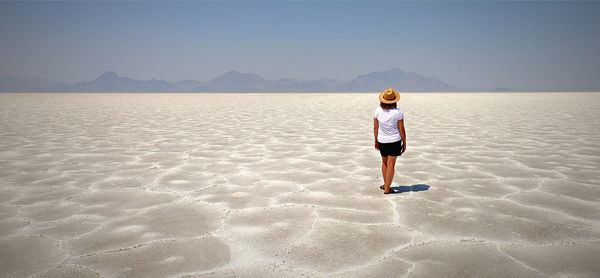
[376, 131]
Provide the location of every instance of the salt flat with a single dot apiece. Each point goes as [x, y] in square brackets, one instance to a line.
[286, 185]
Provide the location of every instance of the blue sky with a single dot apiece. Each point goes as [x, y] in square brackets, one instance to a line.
[520, 45]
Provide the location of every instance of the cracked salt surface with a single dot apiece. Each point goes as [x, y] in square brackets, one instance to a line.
[157, 185]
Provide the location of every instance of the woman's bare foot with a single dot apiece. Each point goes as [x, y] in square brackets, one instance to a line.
[383, 188]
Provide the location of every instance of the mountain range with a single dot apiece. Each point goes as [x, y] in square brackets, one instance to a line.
[234, 81]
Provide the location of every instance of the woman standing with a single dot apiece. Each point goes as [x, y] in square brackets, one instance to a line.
[390, 137]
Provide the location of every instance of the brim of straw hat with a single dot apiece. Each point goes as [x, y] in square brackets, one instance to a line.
[389, 101]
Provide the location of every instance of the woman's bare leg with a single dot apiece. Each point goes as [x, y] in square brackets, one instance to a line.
[389, 173]
[384, 160]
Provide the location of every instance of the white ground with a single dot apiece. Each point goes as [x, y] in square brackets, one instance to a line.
[286, 185]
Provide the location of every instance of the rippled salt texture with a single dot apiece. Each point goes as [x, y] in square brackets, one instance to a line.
[285, 185]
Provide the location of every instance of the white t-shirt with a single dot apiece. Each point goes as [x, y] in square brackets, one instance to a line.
[388, 124]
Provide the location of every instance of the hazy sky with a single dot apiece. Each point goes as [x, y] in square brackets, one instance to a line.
[520, 45]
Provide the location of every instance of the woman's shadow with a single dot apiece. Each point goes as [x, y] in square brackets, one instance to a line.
[414, 188]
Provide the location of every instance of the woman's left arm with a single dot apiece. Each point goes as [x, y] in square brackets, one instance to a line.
[402, 133]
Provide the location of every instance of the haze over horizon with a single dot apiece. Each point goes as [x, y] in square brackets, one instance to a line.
[519, 45]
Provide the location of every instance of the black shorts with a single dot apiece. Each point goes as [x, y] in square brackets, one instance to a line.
[391, 149]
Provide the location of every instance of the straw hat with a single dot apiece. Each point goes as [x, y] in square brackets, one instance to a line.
[389, 96]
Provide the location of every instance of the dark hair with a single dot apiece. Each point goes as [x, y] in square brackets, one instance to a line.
[388, 105]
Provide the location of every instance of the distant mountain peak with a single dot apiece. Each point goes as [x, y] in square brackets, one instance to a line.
[237, 74]
[392, 73]
[109, 75]
[110, 81]
[397, 79]
[236, 81]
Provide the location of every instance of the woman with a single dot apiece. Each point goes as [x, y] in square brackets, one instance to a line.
[390, 137]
